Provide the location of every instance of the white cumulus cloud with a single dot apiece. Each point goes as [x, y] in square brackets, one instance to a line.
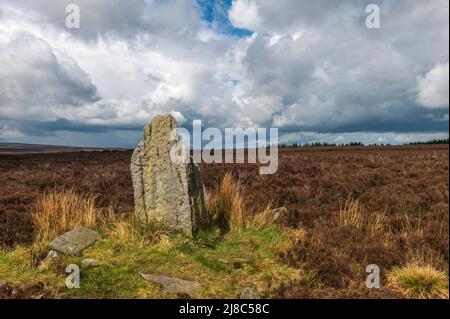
[434, 87]
[244, 14]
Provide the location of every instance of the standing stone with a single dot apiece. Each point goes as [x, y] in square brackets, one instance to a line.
[164, 190]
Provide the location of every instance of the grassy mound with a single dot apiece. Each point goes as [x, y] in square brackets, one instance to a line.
[224, 265]
[225, 260]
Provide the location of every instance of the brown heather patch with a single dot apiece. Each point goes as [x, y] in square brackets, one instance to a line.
[35, 290]
[396, 212]
[24, 178]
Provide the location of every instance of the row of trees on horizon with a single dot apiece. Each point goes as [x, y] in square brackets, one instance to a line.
[352, 144]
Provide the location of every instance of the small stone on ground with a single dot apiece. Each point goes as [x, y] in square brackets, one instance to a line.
[75, 241]
[90, 263]
[171, 285]
[248, 293]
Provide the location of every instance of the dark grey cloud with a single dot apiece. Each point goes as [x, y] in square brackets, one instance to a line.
[49, 128]
[35, 76]
[336, 75]
[120, 18]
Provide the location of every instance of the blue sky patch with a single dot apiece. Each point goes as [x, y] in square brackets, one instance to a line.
[215, 12]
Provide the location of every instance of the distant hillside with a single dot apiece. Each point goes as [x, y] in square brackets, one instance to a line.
[21, 148]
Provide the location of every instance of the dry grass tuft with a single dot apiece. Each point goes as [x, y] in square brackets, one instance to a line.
[351, 214]
[354, 215]
[419, 281]
[58, 212]
[227, 205]
[264, 218]
[130, 230]
[229, 208]
[410, 227]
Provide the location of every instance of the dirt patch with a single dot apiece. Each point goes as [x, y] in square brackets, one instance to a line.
[37, 290]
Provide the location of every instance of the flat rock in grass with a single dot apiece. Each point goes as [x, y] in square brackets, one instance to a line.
[75, 241]
[90, 263]
[171, 285]
[248, 293]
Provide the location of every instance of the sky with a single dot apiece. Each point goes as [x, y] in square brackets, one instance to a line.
[312, 69]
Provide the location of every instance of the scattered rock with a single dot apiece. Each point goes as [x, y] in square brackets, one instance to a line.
[53, 259]
[171, 285]
[75, 241]
[90, 263]
[165, 190]
[249, 293]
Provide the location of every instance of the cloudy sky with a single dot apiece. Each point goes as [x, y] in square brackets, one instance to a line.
[311, 68]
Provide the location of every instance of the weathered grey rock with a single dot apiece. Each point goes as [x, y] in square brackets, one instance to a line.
[75, 241]
[138, 171]
[164, 190]
[249, 293]
[171, 285]
[52, 260]
[90, 263]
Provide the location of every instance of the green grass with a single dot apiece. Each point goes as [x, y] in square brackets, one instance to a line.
[223, 265]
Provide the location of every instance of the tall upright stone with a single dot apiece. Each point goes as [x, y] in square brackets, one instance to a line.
[165, 190]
